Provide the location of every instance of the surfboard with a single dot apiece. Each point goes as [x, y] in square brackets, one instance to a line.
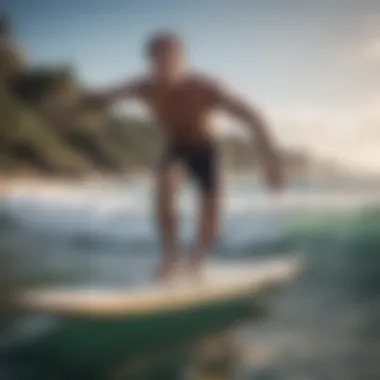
[219, 283]
[90, 332]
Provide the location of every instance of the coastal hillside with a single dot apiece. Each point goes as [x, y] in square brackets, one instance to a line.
[98, 143]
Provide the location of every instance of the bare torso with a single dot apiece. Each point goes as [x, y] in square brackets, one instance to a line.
[183, 109]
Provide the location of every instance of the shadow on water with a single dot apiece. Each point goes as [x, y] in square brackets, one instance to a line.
[325, 326]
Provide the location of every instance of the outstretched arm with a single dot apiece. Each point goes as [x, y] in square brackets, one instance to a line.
[101, 100]
[129, 90]
[257, 126]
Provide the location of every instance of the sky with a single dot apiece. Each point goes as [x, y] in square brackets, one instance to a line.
[312, 66]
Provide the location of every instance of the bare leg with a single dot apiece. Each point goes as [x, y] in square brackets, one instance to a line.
[167, 190]
[209, 225]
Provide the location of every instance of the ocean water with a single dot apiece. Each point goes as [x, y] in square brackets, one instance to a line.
[325, 326]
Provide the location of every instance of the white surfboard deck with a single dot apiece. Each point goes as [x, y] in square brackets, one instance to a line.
[220, 282]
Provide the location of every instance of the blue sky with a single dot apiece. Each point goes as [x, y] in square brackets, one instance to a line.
[308, 63]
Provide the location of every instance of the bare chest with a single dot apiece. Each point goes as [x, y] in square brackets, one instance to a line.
[178, 105]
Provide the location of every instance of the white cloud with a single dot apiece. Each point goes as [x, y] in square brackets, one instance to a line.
[370, 51]
[367, 48]
[349, 135]
[371, 23]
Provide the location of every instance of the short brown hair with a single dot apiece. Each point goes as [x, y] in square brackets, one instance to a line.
[162, 41]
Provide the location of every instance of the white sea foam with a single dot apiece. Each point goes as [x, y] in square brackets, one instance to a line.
[124, 213]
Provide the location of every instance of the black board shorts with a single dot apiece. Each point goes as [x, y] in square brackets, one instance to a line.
[201, 163]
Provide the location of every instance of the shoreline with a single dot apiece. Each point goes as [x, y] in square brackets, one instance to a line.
[33, 181]
[32, 178]
[35, 184]
[9, 183]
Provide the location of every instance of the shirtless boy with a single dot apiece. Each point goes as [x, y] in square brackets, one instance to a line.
[182, 103]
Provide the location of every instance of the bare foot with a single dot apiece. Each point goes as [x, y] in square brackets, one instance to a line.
[196, 267]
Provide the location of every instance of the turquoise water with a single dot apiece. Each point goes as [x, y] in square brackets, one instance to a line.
[325, 326]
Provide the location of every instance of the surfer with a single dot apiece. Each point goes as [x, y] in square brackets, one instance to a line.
[182, 103]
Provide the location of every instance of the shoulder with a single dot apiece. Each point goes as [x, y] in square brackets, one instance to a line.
[204, 81]
[211, 87]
